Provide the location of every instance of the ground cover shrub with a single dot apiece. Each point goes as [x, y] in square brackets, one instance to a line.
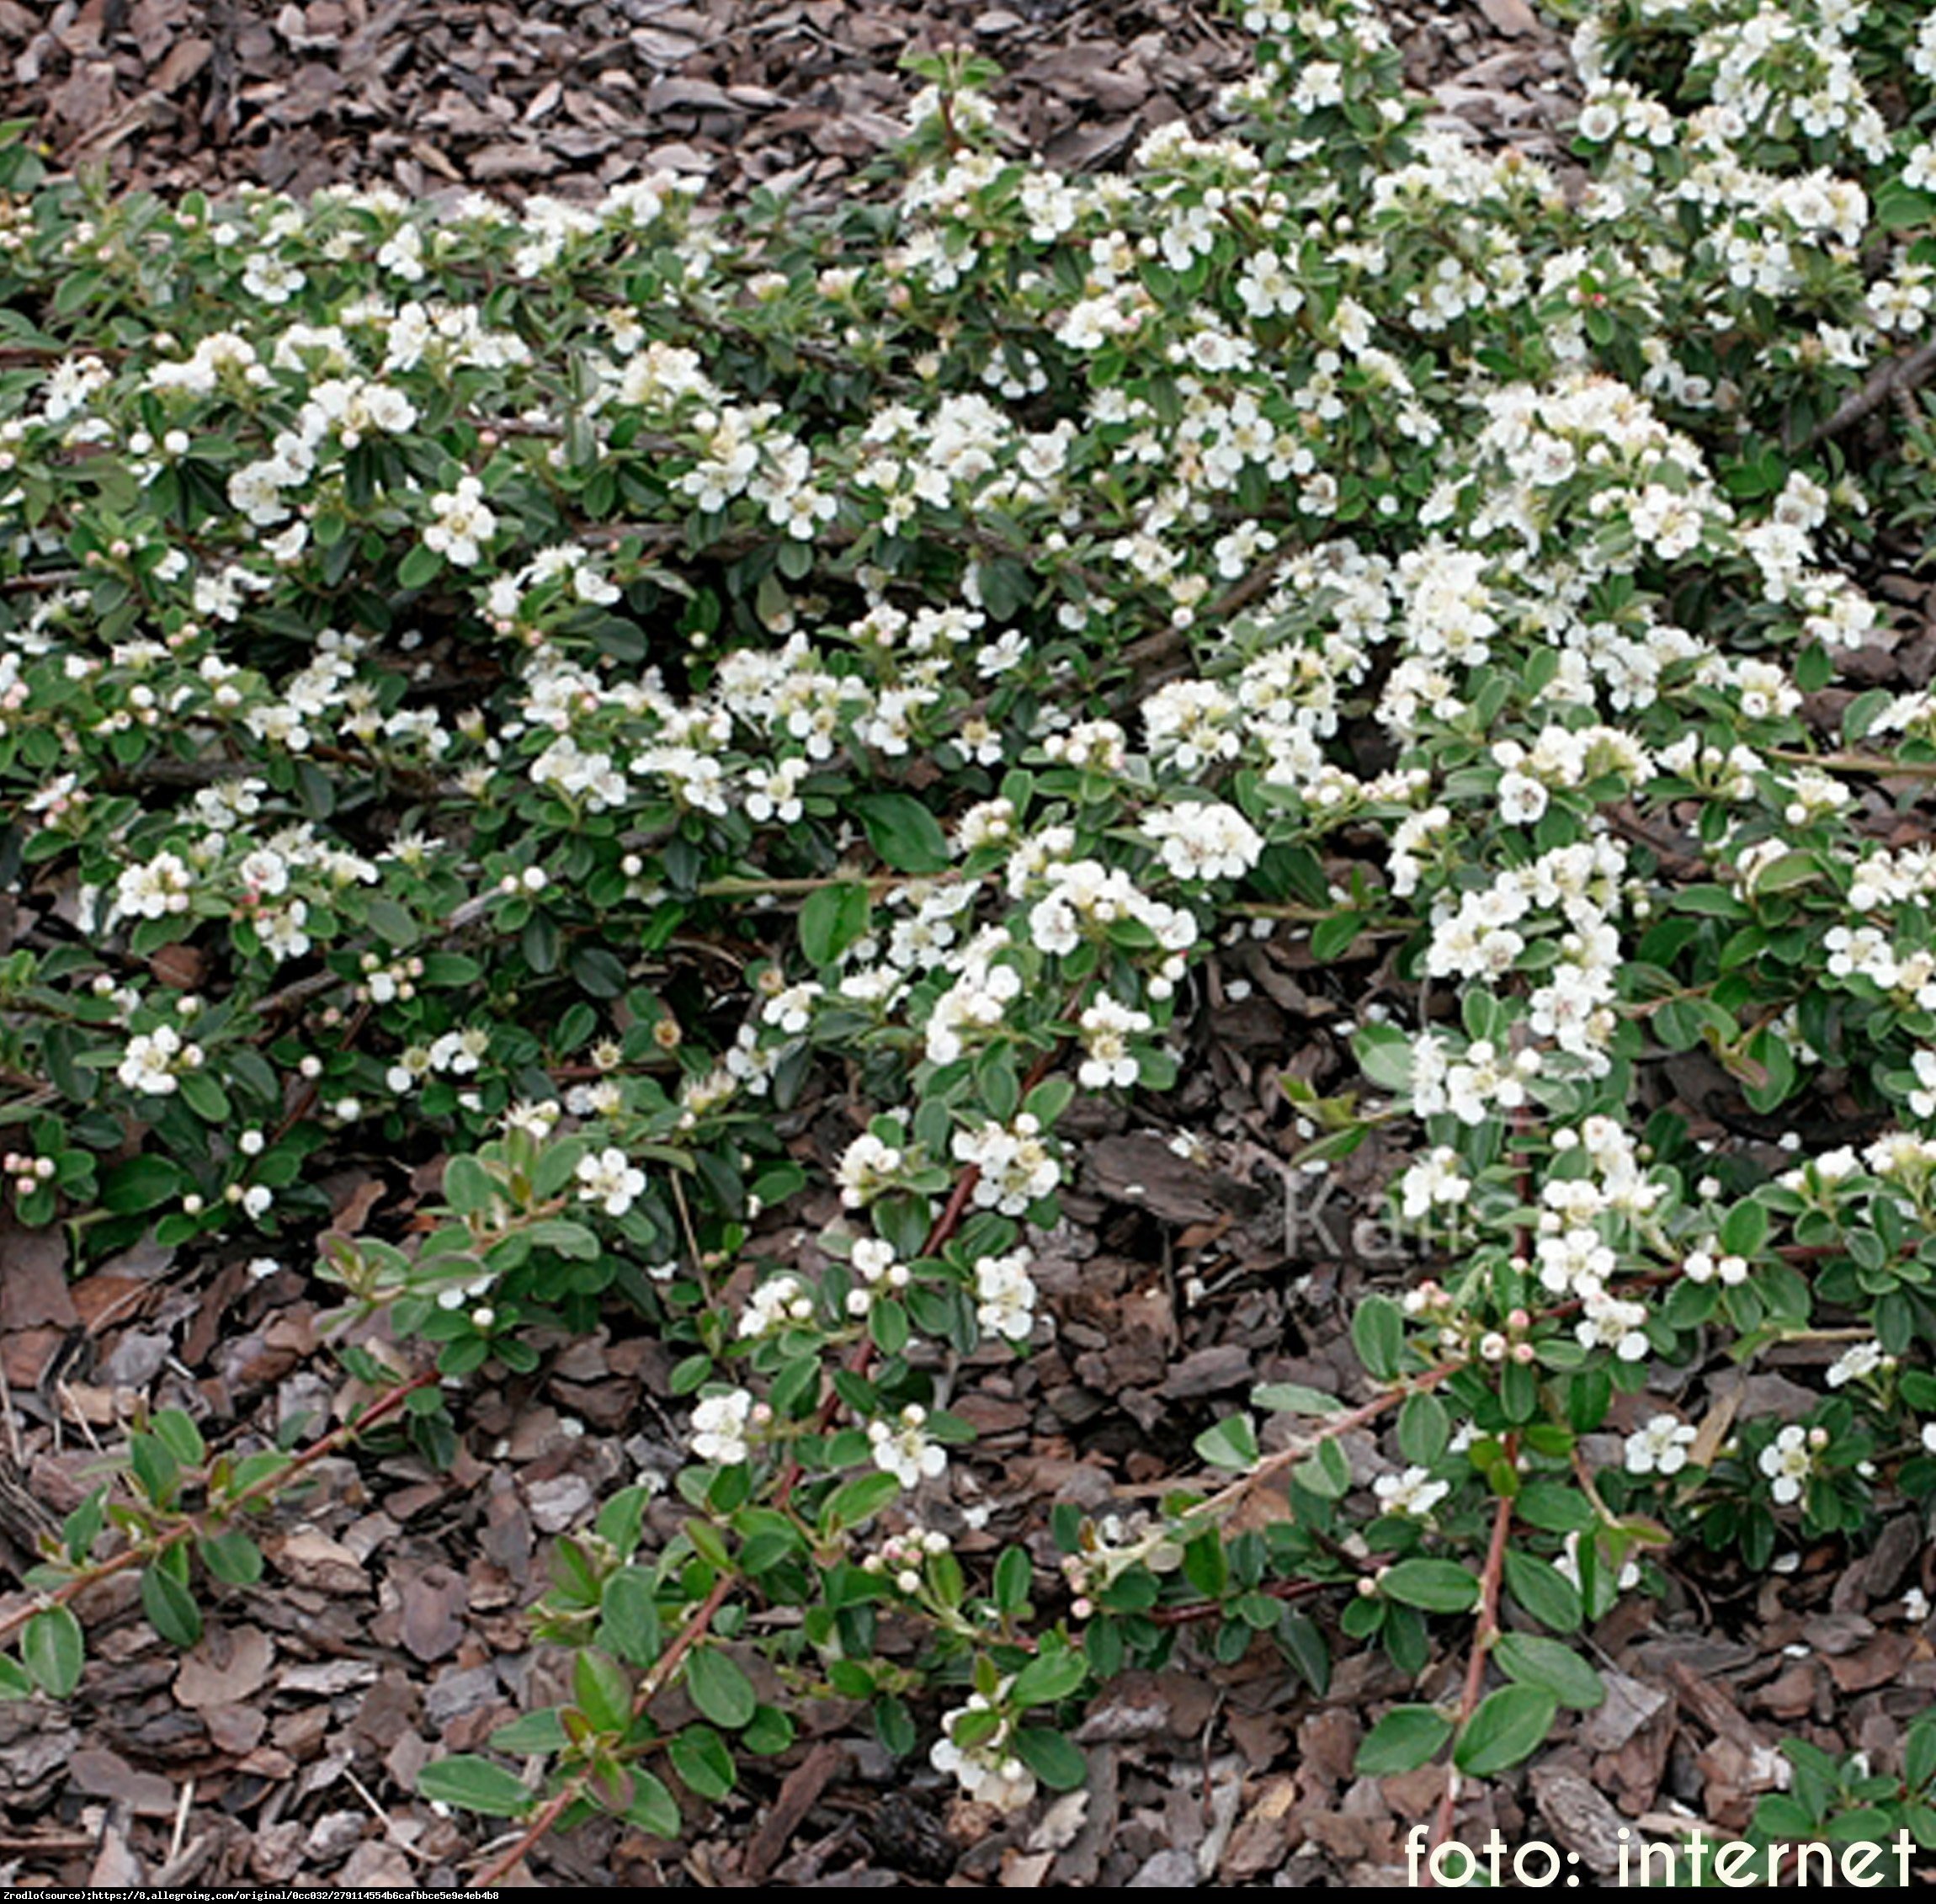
[549, 690]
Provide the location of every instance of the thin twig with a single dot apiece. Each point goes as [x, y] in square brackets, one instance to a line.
[1896, 377]
[654, 1683]
[193, 1525]
[1878, 764]
[1483, 1633]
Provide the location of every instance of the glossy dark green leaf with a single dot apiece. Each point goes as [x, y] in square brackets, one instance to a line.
[720, 1687]
[1407, 1737]
[1437, 1586]
[1510, 1725]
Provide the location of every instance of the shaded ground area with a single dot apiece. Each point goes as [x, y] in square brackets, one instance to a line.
[387, 1631]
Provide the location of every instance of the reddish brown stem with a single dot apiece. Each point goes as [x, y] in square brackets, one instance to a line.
[547, 1816]
[1483, 1633]
[555, 1807]
[1209, 1610]
[386, 1404]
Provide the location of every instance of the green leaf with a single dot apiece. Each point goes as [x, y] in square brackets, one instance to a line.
[653, 1808]
[1919, 1753]
[1540, 1661]
[1378, 1334]
[1332, 938]
[1744, 1230]
[603, 1692]
[54, 1650]
[720, 1687]
[1424, 1429]
[1784, 1817]
[203, 1095]
[475, 1785]
[1291, 1398]
[1050, 1676]
[1543, 1591]
[390, 922]
[699, 1757]
[232, 1558]
[598, 970]
[832, 919]
[859, 1500]
[14, 1684]
[905, 835]
[1384, 1055]
[468, 1186]
[769, 1732]
[1510, 1725]
[1789, 869]
[532, 1733]
[418, 569]
[170, 1607]
[1437, 1586]
[1231, 1444]
[1407, 1737]
[179, 1435]
[1015, 1574]
[1555, 1508]
[140, 1184]
[630, 1623]
[1058, 1763]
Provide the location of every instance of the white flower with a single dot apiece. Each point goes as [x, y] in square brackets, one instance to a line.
[988, 1772]
[1610, 1323]
[1661, 1446]
[1005, 1295]
[1521, 800]
[868, 1168]
[1854, 1364]
[777, 1300]
[1788, 1461]
[903, 1449]
[1413, 1492]
[611, 1180]
[1204, 840]
[270, 280]
[153, 1059]
[155, 890]
[719, 1430]
[1015, 1167]
[1436, 1179]
[1107, 1027]
[463, 524]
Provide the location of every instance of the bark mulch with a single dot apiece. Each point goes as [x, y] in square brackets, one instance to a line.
[387, 1629]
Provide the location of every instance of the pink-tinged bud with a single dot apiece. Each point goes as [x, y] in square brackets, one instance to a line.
[1517, 1320]
[1524, 1353]
[487, 440]
[1079, 1609]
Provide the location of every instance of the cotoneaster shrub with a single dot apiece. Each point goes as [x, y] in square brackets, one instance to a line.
[434, 635]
